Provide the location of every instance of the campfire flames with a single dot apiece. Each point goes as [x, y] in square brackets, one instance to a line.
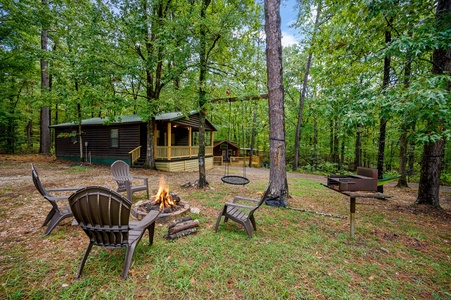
[163, 197]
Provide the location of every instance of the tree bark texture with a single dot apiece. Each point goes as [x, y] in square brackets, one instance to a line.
[203, 60]
[150, 150]
[403, 140]
[277, 174]
[383, 120]
[433, 152]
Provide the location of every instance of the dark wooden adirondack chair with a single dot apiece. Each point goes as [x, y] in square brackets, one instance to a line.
[121, 173]
[104, 214]
[242, 214]
[58, 212]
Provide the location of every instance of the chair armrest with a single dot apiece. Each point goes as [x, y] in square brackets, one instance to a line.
[245, 199]
[64, 189]
[143, 178]
[238, 205]
[56, 198]
[148, 219]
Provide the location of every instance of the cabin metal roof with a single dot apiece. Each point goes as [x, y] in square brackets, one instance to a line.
[176, 117]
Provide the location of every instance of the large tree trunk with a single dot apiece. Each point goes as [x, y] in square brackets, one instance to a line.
[429, 187]
[277, 172]
[44, 146]
[203, 60]
[150, 150]
[383, 120]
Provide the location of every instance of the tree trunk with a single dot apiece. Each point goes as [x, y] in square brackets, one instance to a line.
[403, 142]
[304, 91]
[80, 131]
[315, 140]
[411, 150]
[150, 150]
[203, 60]
[433, 152]
[254, 125]
[383, 120]
[273, 32]
[358, 148]
[342, 153]
[402, 181]
[44, 146]
[429, 187]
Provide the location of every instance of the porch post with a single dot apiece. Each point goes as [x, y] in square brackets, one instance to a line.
[169, 139]
[212, 136]
[155, 130]
[190, 140]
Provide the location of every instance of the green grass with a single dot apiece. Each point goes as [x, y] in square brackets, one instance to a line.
[293, 255]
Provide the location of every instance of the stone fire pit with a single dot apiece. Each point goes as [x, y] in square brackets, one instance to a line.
[168, 213]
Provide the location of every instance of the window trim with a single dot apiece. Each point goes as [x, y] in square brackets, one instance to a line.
[114, 140]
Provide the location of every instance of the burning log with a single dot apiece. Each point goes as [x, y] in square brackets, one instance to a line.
[181, 227]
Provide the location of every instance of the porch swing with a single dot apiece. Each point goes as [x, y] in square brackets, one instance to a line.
[234, 179]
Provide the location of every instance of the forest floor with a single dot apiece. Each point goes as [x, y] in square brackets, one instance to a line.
[22, 211]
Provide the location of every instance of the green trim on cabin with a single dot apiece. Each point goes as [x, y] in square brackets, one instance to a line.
[94, 160]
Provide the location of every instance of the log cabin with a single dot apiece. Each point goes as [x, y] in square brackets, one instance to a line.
[176, 141]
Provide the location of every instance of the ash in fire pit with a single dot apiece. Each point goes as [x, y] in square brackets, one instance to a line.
[167, 202]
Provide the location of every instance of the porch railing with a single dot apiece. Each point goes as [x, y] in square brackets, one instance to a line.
[135, 154]
[177, 152]
[241, 160]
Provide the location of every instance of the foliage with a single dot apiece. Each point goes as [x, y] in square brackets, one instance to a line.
[101, 53]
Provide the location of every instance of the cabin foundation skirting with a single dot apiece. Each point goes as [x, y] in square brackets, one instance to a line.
[168, 166]
[183, 165]
[94, 160]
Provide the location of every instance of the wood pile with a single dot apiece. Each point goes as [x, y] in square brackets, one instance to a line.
[181, 227]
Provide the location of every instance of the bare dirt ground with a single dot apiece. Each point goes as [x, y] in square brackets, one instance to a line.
[15, 182]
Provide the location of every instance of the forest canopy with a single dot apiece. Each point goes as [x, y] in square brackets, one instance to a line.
[372, 63]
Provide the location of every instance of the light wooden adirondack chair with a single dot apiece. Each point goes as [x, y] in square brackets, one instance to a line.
[121, 173]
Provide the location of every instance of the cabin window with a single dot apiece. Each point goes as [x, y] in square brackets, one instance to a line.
[114, 138]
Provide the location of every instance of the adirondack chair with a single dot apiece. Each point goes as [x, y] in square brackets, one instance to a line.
[242, 214]
[58, 212]
[121, 173]
[103, 214]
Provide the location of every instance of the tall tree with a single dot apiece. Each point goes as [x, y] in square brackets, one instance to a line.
[384, 118]
[433, 151]
[277, 174]
[45, 110]
[203, 61]
[304, 88]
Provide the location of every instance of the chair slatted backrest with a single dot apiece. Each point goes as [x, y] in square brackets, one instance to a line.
[262, 200]
[37, 181]
[121, 173]
[103, 214]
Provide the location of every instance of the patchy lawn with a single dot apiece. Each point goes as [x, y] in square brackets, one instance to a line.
[400, 250]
